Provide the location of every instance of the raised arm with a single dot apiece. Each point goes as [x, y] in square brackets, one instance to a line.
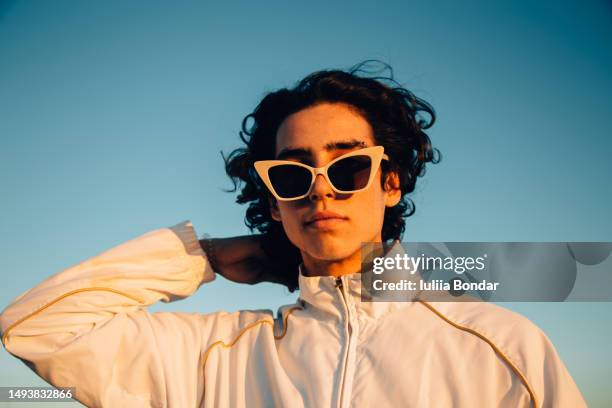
[88, 327]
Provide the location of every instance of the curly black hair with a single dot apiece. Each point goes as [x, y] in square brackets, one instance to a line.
[398, 119]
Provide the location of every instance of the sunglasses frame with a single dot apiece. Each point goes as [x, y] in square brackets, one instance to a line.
[376, 154]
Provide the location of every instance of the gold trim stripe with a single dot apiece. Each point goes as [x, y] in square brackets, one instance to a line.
[242, 331]
[506, 359]
[23, 319]
[285, 328]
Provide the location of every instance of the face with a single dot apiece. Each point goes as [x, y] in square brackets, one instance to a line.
[315, 136]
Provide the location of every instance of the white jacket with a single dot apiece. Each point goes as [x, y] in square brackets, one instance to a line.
[88, 327]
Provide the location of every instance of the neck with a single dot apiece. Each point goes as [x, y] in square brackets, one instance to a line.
[336, 267]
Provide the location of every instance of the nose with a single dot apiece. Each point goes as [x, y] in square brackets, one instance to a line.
[320, 189]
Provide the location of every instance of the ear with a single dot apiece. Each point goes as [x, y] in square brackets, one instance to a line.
[274, 212]
[393, 193]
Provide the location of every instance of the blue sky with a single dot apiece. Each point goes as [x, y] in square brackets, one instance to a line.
[113, 114]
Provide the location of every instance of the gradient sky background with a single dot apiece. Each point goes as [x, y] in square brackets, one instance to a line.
[112, 116]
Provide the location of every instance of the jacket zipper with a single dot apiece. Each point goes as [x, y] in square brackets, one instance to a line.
[340, 286]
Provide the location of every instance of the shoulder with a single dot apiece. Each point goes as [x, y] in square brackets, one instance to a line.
[514, 335]
[230, 325]
[522, 345]
[242, 328]
[504, 327]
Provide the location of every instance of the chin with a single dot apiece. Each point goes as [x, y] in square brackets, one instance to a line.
[329, 247]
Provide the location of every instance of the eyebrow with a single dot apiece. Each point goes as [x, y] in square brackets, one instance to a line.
[302, 152]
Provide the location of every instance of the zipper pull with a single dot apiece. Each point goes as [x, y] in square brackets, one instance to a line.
[338, 281]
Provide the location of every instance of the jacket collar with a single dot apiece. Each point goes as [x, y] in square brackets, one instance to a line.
[324, 294]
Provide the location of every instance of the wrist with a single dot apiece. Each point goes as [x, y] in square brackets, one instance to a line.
[208, 246]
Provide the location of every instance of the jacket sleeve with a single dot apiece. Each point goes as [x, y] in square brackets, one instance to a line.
[87, 326]
[554, 384]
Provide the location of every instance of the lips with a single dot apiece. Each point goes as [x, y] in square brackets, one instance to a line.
[324, 216]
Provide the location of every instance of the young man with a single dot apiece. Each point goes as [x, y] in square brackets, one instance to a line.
[327, 166]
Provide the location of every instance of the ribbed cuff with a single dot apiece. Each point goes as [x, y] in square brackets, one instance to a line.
[186, 233]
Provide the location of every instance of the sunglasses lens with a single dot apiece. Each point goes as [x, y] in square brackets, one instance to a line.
[290, 181]
[351, 173]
